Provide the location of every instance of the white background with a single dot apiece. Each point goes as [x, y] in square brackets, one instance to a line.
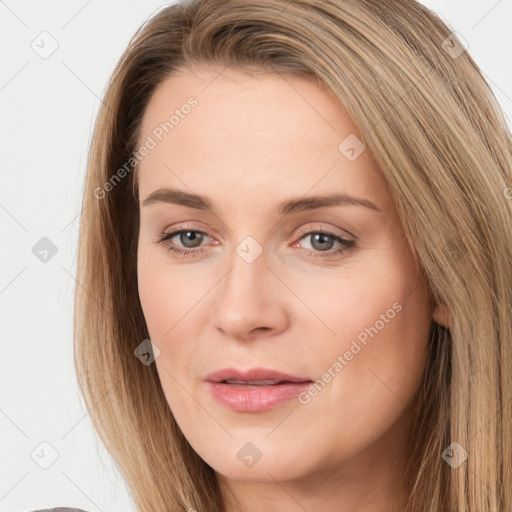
[47, 111]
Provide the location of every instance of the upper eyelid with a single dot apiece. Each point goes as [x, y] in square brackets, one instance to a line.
[316, 226]
[303, 232]
[331, 231]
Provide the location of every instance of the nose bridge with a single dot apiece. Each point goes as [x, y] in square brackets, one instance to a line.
[247, 277]
[245, 300]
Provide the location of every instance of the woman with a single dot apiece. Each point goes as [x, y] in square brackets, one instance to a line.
[228, 359]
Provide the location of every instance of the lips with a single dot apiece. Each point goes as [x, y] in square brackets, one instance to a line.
[255, 390]
[253, 382]
[254, 376]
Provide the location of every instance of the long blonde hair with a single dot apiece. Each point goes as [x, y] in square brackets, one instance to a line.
[440, 141]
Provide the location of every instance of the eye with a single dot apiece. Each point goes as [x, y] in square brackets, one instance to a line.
[322, 241]
[189, 242]
[190, 238]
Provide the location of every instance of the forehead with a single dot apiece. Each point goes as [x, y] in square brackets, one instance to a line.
[246, 131]
[234, 99]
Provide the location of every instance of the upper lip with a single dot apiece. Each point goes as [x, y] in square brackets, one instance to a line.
[253, 374]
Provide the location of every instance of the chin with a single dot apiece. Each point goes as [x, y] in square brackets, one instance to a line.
[245, 462]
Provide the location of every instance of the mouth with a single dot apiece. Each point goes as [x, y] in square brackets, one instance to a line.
[254, 376]
[253, 384]
[255, 390]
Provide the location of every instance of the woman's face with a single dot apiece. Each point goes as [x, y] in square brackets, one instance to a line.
[291, 259]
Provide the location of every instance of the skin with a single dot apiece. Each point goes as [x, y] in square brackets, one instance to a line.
[251, 142]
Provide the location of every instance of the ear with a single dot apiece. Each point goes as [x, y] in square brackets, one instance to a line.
[441, 315]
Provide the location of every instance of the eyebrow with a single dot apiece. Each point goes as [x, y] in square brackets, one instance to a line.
[180, 197]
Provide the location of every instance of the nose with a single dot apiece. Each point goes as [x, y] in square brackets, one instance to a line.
[250, 300]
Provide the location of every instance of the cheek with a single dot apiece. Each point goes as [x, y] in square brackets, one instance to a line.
[166, 294]
[166, 299]
[380, 325]
[382, 341]
[173, 306]
[372, 368]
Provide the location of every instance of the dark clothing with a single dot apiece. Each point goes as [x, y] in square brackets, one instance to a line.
[61, 509]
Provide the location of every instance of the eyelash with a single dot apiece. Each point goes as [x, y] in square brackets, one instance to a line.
[179, 251]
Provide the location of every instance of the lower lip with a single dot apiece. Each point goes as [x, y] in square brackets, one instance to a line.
[257, 398]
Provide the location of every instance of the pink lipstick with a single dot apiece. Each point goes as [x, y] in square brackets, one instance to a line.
[255, 390]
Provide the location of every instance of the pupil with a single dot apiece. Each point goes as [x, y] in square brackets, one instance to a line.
[194, 235]
[322, 237]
